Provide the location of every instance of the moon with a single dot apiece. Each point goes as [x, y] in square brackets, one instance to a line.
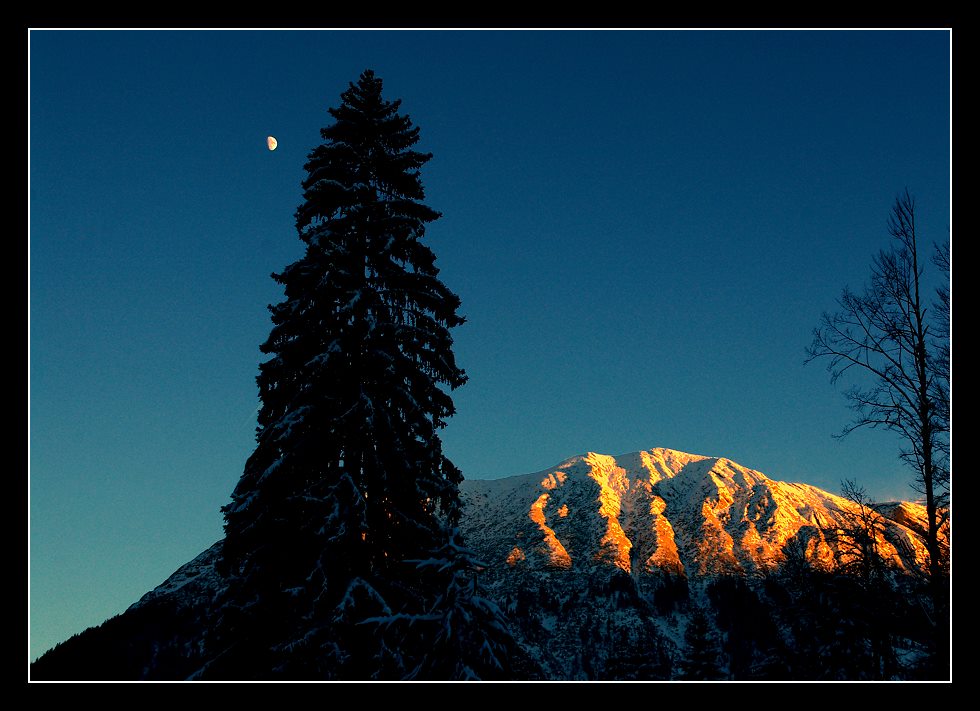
[272, 142]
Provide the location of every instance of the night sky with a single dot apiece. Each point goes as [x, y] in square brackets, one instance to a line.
[644, 228]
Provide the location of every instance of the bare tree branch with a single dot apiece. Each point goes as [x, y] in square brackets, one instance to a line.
[890, 336]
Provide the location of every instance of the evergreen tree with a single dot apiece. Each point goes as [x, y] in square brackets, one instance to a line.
[829, 622]
[348, 480]
[701, 652]
[463, 635]
[752, 641]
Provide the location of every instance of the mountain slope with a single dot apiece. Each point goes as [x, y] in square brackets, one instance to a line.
[599, 563]
[661, 510]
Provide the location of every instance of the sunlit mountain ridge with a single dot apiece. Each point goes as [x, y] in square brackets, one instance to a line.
[661, 510]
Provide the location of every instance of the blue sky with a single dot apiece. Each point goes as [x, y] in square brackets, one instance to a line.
[643, 226]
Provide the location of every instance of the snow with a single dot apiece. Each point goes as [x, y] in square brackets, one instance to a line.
[566, 537]
[191, 582]
[646, 513]
[659, 508]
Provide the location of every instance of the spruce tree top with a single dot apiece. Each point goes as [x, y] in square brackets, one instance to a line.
[366, 157]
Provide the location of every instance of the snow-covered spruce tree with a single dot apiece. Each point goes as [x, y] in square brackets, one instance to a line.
[461, 635]
[348, 480]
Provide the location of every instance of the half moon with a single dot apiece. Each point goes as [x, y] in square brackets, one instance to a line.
[272, 142]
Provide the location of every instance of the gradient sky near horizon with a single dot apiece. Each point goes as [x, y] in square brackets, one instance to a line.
[644, 228]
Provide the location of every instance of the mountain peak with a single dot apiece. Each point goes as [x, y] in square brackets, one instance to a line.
[665, 510]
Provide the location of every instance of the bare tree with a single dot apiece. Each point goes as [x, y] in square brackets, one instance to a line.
[858, 537]
[860, 555]
[896, 347]
[941, 364]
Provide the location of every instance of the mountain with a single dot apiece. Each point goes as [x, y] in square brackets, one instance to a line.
[600, 563]
[661, 510]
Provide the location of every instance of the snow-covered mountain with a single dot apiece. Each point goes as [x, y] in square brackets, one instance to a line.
[664, 510]
[601, 560]
[598, 562]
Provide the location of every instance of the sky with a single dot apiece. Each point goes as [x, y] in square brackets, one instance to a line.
[644, 228]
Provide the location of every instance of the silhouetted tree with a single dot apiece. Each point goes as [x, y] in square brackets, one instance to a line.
[825, 620]
[890, 335]
[672, 592]
[857, 539]
[858, 547]
[348, 479]
[462, 635]
[638, 654]
[942, 324]
[701, 651]
[752, 643]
